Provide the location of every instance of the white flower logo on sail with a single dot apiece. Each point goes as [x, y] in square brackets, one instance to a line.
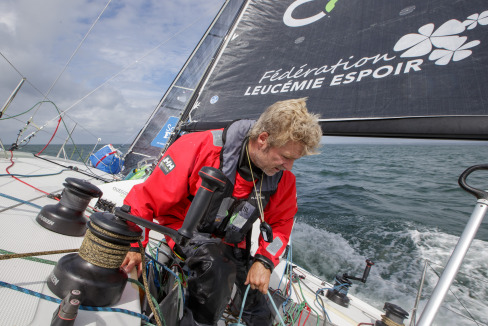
[448, 45]
[475, 19]
[456, 51]
[422, 43]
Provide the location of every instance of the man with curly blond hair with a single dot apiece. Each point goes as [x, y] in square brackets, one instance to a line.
[257, 158]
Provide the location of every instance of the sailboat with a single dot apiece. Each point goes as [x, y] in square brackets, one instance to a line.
[369, 69]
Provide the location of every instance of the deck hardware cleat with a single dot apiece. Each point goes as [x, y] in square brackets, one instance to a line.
[66, 217]
[95, 269]
[105, 205]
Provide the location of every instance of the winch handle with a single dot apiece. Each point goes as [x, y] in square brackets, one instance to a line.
[369, 263]
[124, 214]
[212, 179]
[478, 193]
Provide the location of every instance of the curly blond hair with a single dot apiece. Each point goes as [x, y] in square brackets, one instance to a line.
[289, 120]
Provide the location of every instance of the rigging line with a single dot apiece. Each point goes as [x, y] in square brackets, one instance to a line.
[128, 66]
[40, 92]
[464, 316]
[92, 175]
[32, 108]
[460, 272]
[21, 75]
[54, 134]
[76, 50]
[27, 255]
[452, 292]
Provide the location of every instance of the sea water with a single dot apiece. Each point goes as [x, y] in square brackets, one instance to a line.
[399, 205]
[396, 203]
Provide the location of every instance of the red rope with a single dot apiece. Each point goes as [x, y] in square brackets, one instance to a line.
[309, 311]
[308, 315]
[13, 176]
[55, 131]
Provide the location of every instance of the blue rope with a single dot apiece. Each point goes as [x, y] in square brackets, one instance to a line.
[168, 270]
[33, 175]
[20, 200]
[321, 306]
[276, 309]
[56, 300]
[243, 303]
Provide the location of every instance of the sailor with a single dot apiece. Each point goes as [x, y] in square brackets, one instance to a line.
[257, 158]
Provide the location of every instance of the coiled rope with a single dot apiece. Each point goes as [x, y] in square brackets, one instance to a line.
[103, 253]
[388, 322]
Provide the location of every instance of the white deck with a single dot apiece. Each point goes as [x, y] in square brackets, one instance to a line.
[20, 233]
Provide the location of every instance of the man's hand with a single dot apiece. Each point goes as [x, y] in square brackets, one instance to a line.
[258, 276]
[132, 259]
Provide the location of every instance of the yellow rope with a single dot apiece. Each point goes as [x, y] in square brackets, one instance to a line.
[146, 286]
[103, 253]
[114, 235]
[39, 253]
[388, 322]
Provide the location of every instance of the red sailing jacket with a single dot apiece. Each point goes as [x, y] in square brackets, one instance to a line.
[164, 195]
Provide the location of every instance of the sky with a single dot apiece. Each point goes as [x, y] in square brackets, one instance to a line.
[105, 64]
[115, 79]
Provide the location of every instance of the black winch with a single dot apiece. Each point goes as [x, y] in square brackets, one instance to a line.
[66, 217]
[394, 315]
[95, 270]
[342, 283]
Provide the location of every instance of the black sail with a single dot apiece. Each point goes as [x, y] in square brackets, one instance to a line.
[369, 68]
[384, 68]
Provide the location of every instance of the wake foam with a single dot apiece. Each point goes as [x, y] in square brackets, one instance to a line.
[399, 261]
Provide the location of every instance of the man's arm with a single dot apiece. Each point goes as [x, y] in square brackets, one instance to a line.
[258, 276]
[279, 214]
[164, 195]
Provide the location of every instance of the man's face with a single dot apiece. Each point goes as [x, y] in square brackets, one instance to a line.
[274, 159]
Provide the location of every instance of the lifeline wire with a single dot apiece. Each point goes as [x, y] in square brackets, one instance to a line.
[76, 50]
[472, 318]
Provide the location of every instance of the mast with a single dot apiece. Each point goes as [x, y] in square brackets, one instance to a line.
[186, 115]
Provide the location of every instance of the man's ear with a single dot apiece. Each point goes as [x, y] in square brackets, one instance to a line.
[263, 140]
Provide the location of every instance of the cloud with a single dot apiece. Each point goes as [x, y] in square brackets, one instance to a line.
[130, 57]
